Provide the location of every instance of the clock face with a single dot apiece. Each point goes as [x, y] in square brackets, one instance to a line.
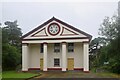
[53, 29]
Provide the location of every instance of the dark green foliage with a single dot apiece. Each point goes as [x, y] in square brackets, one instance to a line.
[95, 48]
[110, 52]
[11, 57]
[0, 48]
[11, 33]
[11, 45]
[114, 54]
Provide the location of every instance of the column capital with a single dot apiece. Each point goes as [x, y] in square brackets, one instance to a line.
[45, 43]
[86, 42]
[25, 44]
[64, 42]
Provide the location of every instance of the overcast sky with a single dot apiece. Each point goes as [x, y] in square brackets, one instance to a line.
[86, 16]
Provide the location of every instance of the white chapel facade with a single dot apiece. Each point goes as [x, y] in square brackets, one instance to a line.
[55, 45]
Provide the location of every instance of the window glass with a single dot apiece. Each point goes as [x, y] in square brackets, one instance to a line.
[57, 47]
[70, 47]
[41, 48]
[56, 62]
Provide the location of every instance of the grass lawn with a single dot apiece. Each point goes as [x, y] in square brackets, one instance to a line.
[0, 75]
[14, 74]
[112, 75]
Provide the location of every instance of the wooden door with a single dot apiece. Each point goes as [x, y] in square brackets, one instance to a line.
[41, 64]
[70, 63]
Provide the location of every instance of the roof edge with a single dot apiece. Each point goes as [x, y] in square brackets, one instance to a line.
[40, 26]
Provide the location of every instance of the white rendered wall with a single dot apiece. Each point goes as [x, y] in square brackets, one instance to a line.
[35, 55]
[77, 55]
[52, 55]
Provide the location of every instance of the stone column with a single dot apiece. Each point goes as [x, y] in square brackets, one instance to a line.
[86, 57]
[64, 58]
[45, 57]
[24, 57]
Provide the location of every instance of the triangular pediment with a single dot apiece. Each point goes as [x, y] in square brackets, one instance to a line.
[67, 32]
[40, 33]
[55, 28]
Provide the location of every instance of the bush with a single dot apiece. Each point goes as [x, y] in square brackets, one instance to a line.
[18, 68]
[114, 66]
[10, 57]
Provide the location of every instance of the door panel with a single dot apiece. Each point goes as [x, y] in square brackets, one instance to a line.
[41, 64]
[70, 63]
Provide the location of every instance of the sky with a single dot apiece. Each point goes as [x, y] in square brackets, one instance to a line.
[86, 16]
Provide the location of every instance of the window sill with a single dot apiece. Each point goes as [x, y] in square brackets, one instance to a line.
[70, 52]
[56, 52]
[56, 66]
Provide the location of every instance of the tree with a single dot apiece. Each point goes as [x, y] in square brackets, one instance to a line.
[11, 45]
[94, 50]
[13, 32]
[0, 48]
[110, 29]
[96, 44]
[10, 57]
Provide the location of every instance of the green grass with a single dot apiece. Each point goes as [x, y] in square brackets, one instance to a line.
[105, 74]
[14, 74]
[0, 75]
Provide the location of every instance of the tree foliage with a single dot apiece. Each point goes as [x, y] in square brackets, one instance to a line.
[11, 45]
[94, 50]
[109, 27]
[110, 31]
[96, 44]
[11, 33]
[11, 57]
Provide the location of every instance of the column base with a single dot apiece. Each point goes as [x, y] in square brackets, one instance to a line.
[63, 69]
[86, 71]
[44, 69]
[24, 70]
